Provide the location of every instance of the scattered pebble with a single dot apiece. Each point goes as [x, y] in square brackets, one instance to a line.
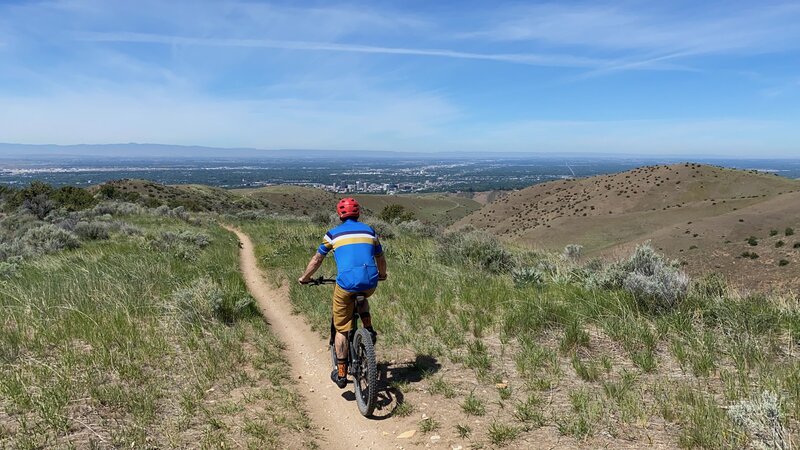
[407, 435]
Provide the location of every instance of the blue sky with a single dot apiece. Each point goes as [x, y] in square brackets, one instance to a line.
[716, 78]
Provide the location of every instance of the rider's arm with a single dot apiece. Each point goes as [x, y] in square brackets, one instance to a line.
[380, 260]
[313, 266]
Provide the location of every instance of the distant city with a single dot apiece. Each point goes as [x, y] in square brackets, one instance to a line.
[385, 176]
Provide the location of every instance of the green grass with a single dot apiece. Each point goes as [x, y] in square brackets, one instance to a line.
[556, 331]
[117, 344]
[428, 424]
[473, 406]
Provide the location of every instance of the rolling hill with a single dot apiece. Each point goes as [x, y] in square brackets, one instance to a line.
[432, 208]
[700, 214]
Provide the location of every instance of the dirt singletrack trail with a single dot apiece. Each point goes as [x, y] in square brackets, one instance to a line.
[334, 418]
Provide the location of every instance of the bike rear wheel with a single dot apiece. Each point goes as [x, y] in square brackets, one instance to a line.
[365, 372]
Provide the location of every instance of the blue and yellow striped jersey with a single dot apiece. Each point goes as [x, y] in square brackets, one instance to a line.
[355, 246]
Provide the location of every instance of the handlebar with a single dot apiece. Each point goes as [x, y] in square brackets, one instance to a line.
[320, 280]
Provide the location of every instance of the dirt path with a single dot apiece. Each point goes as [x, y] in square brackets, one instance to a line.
[335, 417]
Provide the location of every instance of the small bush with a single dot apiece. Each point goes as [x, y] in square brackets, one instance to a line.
[773, 233]
[92, 230]
[752, 240]
[184, 244]
[321, 218]
[40, 206]
[418, 228]
[383, 229]
[779, 244]
[760, 418]
[654, 281]
[572, 252]
[8, 270]
[204, 301]
[796, 245]
[750, 255]
[116, 209]
[783, 262]
[49, 238]
[789, 231]
[396, 213]
[524, 276]
[475, 249]
[73, 198]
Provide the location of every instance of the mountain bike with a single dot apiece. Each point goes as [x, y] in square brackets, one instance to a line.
[361, 356]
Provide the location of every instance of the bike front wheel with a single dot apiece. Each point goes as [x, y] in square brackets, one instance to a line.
[365, 373]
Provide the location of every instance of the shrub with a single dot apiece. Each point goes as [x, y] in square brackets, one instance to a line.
[396, 213]
[661, 291]
[796, 245]
[184, 244]
[752, 240]
[475, 249]
[418, 228]
[773, 232]
[572, 252]
[789, 231]
[92, 230]
[49, 238]
[383, 229]
[321, 218]
[783, 262]
[751, 255]
[203, 301]
[655, 282]
[73, 198]
[8, 269]
[117, 209]
[524, 276]
[40, 206]
[130, 230]
[760, 418]
[779, 244]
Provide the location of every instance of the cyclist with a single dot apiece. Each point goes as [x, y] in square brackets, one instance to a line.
[360, 264]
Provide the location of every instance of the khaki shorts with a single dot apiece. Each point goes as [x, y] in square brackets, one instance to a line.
[343, 307]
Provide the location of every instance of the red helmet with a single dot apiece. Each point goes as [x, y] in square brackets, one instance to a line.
[348, 207]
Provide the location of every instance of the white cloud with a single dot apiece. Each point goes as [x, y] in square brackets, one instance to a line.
[700, 28]
[553, 60]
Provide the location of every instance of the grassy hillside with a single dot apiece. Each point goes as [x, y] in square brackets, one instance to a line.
[432, 208]
[128, 327]
[702, 214]
[189, 196]
[505, 347]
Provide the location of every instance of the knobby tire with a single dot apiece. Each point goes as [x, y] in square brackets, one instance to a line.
[366, 373]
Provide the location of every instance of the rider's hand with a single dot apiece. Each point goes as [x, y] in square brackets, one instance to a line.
[382, 277]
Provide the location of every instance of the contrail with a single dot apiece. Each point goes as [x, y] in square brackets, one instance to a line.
[516, 58]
